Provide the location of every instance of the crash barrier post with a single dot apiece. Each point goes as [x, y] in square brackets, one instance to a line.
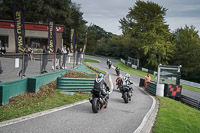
[190, 101]
[14, 88]
[151, 87]
[75, 84]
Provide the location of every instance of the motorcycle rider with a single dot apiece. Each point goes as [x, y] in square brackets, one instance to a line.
[109, 64]
[108, 61]
[117, 69]
[127, 81]
[101, 85]
[119, 81]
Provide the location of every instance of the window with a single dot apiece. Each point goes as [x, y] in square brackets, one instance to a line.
[4, 40]
[34, 42]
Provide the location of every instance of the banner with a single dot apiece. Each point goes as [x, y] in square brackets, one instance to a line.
[73, 39]
[85, 43]
[19, 29]
[51, 35]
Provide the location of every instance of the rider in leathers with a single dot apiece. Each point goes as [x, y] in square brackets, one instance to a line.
[101, 85]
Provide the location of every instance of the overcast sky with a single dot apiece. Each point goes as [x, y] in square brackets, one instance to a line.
[107, 13]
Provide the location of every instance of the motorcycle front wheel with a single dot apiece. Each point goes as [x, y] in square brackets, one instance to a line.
[95, 105]
[125, 97]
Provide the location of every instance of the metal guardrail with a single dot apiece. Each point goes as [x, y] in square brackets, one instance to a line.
[75, 84]
[193, 84]
[190, 101]
[16, 66]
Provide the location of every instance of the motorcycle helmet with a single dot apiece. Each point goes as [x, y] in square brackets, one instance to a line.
[100, 75]
[127, 75]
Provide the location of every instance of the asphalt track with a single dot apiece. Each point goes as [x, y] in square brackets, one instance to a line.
[117, 118]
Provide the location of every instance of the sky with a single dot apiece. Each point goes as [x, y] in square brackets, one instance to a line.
[107, 13]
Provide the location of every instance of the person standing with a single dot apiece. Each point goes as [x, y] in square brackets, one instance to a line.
[79, 52]
[46, 52]
[25, 59]
[147, 79]
[65, 52]
[68, 52]
[58, 58]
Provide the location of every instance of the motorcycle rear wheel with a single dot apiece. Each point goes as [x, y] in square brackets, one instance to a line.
[95, 105]
[125, 97]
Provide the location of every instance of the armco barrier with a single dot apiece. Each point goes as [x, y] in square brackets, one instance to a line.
[151, 87]
[190, 101]
[34, 83]
[11, 89]
[75, 84]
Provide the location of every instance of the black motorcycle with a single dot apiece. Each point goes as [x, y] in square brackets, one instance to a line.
[126, 91]
[98, 101]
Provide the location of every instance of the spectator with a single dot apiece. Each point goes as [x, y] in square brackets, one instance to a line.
[31, 54]
[26, 55]
[58, 59]
[68, 52]
[78, 55]
[65, 52]
[46, 52]
[147, 79]
[1, 49]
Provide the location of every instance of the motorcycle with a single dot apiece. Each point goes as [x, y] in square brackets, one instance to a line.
[126, 91]
[98, 101]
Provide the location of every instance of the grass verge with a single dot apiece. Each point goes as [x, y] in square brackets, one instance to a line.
[175, 117]
[48, 97]
[91, 60]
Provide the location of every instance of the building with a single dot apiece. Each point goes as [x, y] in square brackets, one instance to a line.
[36, 35]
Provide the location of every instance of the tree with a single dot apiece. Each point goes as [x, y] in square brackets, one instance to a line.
[63, 12]
[145, 23]
[97, 40]
[187, 52]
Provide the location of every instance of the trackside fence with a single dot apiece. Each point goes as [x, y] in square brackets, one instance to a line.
[190, 101]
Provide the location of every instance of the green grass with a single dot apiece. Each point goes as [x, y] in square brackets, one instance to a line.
[175, 117]
[91, 60]
[43, 100]
[95, 68]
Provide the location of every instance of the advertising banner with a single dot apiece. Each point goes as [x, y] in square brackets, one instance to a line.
[19, 29]
[51, 35]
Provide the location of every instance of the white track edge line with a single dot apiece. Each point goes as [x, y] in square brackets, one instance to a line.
[35, 115]
[146, 117]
